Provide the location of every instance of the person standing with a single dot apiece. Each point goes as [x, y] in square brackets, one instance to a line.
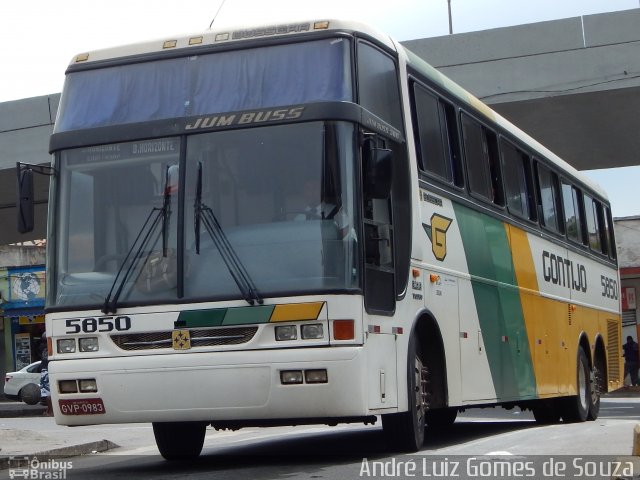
[45, 392]
[631, 360]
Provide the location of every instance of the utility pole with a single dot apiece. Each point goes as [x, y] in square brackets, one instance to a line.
[450, 19]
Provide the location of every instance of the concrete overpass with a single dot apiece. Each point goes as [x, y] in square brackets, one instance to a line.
[573, 84]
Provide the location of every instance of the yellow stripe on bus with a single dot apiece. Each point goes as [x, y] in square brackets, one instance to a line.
[545, 321]
[296, 311]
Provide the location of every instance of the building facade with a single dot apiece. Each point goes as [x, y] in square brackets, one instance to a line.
[22, 289]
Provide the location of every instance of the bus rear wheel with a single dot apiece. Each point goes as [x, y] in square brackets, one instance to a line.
[179, 440]
[576, 408]
[598, 386]
[405, 431]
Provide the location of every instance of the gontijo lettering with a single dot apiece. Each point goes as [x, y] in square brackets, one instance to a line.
[563, 272]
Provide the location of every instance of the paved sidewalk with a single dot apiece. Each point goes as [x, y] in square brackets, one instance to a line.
[41, 437]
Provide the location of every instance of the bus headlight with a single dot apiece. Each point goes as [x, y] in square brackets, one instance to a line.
[89, 344]
[67, 345]
[312, 331]
[286, 332]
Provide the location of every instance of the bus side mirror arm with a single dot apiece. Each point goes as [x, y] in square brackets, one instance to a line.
[377, 169]
[25, 200]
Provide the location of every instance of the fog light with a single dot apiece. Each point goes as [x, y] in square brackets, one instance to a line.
[315, 376]
[89, 344]
[67, 345]
[311, 331]
[88, 385]
[286, 332]
[68, 386]
[290, 377]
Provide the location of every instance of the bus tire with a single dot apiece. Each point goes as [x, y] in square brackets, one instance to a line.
[576, 408]
[546, 412]
[179, 440]
[598, 386]
[439, 418]
[405, 431]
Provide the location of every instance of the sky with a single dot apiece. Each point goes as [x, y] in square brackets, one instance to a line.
[38, 38]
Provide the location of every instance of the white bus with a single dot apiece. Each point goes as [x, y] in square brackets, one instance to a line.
[306, 223]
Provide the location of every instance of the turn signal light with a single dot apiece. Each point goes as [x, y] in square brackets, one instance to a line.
[344, 330]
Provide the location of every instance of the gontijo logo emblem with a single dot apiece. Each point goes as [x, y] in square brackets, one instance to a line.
[437, 233]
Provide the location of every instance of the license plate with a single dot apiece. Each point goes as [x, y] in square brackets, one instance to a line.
[84, 406]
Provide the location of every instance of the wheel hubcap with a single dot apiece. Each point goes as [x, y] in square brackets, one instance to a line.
[582, 387]
[421, 374]
[595, 385]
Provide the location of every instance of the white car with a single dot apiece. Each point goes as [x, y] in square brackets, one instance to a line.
[14, 382]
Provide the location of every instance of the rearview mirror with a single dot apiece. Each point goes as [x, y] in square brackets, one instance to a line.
[378, 170]
[25, 201]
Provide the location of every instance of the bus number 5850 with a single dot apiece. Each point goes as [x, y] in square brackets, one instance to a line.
[100, 324]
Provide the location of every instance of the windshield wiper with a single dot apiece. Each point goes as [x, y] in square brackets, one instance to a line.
[146, 231]
[204, 214]
[142, 241]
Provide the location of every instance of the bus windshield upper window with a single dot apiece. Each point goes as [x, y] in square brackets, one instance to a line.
[207, 84]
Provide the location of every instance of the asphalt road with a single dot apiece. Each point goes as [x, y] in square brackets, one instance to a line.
[352, 452]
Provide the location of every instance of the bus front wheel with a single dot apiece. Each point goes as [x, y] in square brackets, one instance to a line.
[405, 431]
[179, 440]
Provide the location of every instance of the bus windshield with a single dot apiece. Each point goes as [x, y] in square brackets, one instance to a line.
[147, 217]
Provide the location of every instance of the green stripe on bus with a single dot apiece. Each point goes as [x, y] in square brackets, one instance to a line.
[201, 318]
[498, 303]
[248, 315]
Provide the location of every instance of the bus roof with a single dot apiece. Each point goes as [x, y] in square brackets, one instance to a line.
[225, 35]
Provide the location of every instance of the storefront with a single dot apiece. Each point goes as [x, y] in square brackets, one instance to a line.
[23, 324]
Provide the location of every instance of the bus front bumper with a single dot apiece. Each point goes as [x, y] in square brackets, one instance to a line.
[215, 386]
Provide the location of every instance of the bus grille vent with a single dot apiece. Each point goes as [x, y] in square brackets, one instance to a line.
[613, 350]
[206, 337]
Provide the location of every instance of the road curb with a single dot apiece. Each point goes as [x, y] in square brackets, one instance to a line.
[62, 452]
[22, 412]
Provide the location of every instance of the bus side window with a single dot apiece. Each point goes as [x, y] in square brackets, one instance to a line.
[549, 198]
[593, 232]
[436, 133]
[572, 213]
[517, 181]
[481, 156]
[602, 227]
[613, 253]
